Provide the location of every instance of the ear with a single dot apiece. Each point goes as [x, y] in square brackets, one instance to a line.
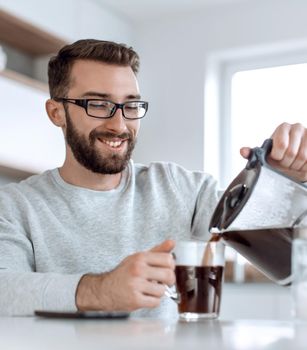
[56, 113]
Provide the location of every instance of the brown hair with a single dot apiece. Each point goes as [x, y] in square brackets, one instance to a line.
[59, 67]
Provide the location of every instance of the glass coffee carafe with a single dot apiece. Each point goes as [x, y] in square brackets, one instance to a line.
[259, 213]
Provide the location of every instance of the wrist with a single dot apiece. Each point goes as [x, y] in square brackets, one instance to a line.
[88, 293]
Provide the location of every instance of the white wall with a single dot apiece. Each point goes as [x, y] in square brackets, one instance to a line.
[72, 19]
[174, 52]
[29, 141]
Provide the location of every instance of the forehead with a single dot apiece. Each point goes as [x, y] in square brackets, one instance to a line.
[88, 75]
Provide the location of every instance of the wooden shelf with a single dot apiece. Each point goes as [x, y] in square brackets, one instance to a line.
[27, 37]
[14, 174]
[30, 40]
[25, 80]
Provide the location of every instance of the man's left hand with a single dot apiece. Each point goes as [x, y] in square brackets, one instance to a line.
[289, 151]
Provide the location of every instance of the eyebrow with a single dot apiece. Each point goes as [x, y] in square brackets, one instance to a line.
[108, 96]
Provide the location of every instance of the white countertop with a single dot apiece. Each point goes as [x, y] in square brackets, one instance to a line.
[31, 333]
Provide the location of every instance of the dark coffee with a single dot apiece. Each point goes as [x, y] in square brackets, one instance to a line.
[269, 250]
[200, 288]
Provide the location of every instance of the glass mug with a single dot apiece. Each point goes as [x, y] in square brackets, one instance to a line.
[199, 278]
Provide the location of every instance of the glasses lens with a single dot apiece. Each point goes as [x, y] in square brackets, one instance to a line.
[135, 109]
[100, 108]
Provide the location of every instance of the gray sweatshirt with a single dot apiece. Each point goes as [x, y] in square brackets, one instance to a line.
[51, 232]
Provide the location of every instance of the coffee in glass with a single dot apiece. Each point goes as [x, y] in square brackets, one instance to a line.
[199, 278]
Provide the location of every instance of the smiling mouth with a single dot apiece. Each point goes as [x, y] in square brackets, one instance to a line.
[113, 144]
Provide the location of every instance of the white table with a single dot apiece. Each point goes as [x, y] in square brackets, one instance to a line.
[30, 333]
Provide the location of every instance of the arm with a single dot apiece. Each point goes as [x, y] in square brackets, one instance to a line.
[22, 290]
[289, 152]
[132, 285]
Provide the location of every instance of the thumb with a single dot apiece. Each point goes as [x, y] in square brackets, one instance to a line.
[164, 247]
[245, 151]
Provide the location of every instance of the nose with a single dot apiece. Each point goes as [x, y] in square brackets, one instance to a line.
[116, 123]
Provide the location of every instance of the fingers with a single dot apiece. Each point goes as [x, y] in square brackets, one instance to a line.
[153, 266]
[165, 246]
[151, 295]
[153, 289]
[290, 147]
[162, 275]
[289, 151]
[148, 301]
[245, 151]
[160, 259]
[300, 162]
[280, 139]
[286, 143]
[142, 277]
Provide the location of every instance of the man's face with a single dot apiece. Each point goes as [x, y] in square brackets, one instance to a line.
[101, 145]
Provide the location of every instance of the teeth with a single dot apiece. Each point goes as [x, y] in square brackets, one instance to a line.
[113, 143]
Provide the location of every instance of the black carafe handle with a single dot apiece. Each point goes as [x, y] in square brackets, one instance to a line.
[259, 154]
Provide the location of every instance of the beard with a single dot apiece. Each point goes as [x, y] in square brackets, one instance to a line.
[88, 155]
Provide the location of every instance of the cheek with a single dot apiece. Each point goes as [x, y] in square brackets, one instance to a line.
[134, 127]
[85, 126]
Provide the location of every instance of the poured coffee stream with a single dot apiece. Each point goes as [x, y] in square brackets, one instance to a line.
[208, 254]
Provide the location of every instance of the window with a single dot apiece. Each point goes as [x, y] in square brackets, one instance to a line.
[247, 94]
[261, 99]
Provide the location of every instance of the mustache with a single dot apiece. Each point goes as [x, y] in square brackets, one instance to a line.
[109, 135]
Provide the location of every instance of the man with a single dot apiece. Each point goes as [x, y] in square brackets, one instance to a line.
[96, 234]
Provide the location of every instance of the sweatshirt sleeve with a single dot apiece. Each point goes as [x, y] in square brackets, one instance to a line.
[21, 293]
[22, 289]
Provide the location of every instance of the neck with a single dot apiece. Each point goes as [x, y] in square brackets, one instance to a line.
[75, 174]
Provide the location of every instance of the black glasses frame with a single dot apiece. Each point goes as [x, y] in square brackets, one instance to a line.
[84, 104]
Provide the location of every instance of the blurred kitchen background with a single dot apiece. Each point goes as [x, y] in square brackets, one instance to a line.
[219, 74]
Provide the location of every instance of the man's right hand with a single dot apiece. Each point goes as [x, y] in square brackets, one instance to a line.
[137, 282]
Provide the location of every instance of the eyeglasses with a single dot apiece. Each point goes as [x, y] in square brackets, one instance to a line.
[106, 109]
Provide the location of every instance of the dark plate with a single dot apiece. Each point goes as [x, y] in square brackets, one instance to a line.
[83, 314]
